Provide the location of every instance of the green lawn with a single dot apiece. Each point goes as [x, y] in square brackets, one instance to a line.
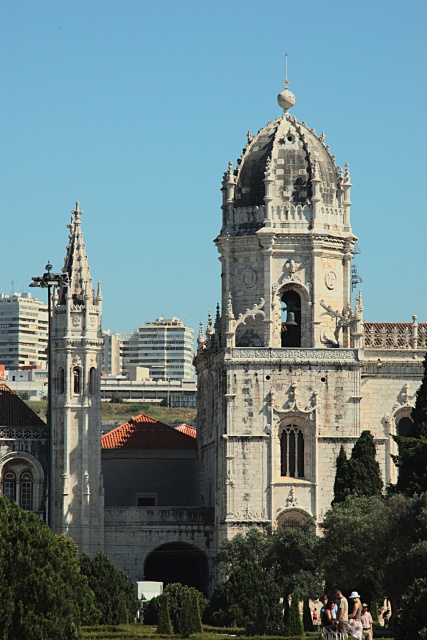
[122, 412]
[136, 631]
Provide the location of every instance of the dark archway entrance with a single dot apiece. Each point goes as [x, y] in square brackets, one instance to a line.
[178, 562]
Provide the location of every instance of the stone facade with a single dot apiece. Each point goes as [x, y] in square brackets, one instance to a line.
[287, 372]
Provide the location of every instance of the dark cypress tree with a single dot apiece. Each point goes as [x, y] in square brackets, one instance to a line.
[341, 480]
[164, 625]
[412, 456]
[307, 620]
[294, 626]
[360, 475]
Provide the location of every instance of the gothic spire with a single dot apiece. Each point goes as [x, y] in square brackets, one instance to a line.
[76, 263]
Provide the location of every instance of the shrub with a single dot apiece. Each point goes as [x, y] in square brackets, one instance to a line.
[294, 626]
[164, 626]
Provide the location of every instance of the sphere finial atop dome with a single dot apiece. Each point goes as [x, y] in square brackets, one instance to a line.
[286, 99]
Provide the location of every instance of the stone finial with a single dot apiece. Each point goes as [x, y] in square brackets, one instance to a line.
[209, 329]
[359, 304]
[347, 179]
[217, 315]
[77, 212]
[267, 171]
[230, 313]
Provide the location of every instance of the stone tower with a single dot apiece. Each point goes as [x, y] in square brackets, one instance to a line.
[76, 360]
[279, 367]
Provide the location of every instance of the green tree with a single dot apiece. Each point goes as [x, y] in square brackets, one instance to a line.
[413, 620]
[194, 618]
[253, 547]
[293, 625]
[412, 456]
[294, 560]
[164, 625]
[235, 601]
[116, 398]
[114, 593]
[177, 595]
[42, 591]
[360, 475]
[307, 620]
[352, 547]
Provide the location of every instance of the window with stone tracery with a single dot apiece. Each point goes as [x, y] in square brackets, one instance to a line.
[9, 485]
[26, 489]
[292, 452]
[76, 380]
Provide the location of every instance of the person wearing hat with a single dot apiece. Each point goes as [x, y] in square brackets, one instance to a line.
[354, 618]
[366, 622]
[356, 614]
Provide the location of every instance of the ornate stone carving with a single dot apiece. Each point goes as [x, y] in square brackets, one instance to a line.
[249, 278]
[293, 404]
[297, 355]
[331, 279]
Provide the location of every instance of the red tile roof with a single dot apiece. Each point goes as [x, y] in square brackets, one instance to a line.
[144, 432]
[15, 413]
[187, 429]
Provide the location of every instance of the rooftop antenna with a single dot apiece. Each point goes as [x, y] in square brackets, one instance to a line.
[286, 83]
[12, 288]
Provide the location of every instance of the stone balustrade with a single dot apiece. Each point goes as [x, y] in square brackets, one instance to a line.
[186, 516]
[396, 335]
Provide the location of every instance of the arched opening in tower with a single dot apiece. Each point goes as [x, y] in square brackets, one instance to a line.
[178, 562]
[291, 319]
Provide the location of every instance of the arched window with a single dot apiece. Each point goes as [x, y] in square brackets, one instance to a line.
[26, 489]
[291, 319]
[92, 381]
[9, 485]
[76, 380]
[292, 452]
[61, 381]
[292, 519]
[404, 426]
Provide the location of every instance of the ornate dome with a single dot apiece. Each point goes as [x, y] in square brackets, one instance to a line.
[292, 148]
[300, 172]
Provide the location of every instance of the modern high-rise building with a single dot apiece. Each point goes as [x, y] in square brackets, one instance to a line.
[114, 347]
[165, 346]
[23, 331]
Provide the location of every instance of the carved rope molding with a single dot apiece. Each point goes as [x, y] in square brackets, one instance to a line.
[296, 355]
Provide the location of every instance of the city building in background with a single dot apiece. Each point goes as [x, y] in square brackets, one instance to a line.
[115, 346]
[23, 331]
[165, 346]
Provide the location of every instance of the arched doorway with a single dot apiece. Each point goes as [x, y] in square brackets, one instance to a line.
[178, 562]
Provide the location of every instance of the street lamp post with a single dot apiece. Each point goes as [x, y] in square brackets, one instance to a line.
[47, 281]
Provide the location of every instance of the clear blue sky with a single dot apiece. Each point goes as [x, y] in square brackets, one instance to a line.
[134, 108]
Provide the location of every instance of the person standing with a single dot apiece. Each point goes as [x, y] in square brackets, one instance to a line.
[366, 622]
[342, 613]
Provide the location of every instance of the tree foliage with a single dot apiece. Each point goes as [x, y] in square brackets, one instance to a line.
[164, 625]
[115, 595]
[413, 621]
[293, 625]
[42, 591]
[235, 601]
[179, 598]
[293, 558]
[360, 475]
[412, 456]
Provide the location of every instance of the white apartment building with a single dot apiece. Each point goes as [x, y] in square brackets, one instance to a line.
[115, 344]
[23, 331]
[165, 346]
